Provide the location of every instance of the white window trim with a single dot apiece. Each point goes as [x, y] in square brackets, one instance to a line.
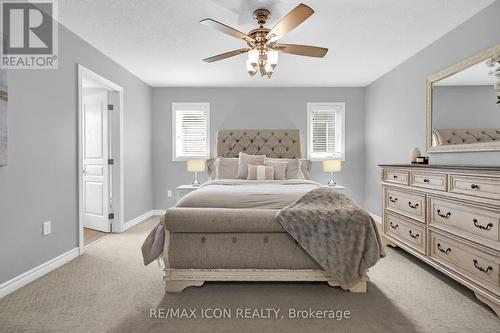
[310, 108]
[175, 106]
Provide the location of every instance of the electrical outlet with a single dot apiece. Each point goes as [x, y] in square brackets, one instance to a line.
[169, 193]
[46, 228]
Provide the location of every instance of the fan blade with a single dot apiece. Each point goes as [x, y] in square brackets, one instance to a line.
[226, 55]
[293, 19]
[226, 29]
[302, 50]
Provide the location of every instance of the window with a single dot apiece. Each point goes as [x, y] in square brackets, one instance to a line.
[190, 131]
[325, 131]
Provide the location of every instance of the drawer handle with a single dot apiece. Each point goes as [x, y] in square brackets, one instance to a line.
[488, 226]
[474, 186]
[442, 250]
[415, 206]
[391, 199]
[447, 215]
[480, 268]
[394, 176]
[426, 180]
[414, 236]
[394, 226]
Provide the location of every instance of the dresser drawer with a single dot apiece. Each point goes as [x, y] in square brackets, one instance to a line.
[466, 220]
[405, 203]
[412, 234]
[435, 181]
[478, 266]
[479, 186]
[396, 176]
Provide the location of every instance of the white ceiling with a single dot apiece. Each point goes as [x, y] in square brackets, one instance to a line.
[162, 43]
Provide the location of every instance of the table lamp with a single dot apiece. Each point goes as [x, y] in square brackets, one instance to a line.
[195, 166]
[332, 166]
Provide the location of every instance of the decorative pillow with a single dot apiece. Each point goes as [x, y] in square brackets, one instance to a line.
[211, 167]
[292, 168]
[260, 172]
[305, 168]
[245, 160]
[227, 168]
[279, 168]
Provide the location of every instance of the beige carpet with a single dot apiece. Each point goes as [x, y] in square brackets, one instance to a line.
[109, 290]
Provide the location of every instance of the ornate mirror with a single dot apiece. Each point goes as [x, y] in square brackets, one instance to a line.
[463, 105]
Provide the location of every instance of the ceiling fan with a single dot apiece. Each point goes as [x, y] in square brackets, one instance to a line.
[263, 46]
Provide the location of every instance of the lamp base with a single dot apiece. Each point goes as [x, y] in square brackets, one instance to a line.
[331, 182]
[195, 182]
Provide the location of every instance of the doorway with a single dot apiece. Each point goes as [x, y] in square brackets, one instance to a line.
[100, 157]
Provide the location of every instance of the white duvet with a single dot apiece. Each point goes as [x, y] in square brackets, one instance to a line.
[236, 193]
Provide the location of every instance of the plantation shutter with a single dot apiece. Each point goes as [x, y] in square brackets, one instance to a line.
[191, 132]
[323, 132]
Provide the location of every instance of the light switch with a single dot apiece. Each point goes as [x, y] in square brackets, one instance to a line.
[169, 193]
[46, 228]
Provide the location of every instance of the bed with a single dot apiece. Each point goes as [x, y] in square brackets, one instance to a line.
[227, 230]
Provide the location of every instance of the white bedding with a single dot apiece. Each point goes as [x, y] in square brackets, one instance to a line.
[236, 193]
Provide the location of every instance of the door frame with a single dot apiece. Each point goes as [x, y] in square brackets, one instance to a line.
[86, 74]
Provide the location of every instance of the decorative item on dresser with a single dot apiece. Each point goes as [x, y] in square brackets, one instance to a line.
[449, 217]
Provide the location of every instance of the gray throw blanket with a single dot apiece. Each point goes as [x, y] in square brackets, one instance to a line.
[338, 234]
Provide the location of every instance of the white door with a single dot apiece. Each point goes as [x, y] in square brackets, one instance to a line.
[95, 161]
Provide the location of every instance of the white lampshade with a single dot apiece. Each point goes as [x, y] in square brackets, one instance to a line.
[332, 166]
[195, 166]
[272, 57]
[253, 57]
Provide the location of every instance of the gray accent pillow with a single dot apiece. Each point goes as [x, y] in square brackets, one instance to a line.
[305, 168]
[260, 172]
[292, 168]
[245, 160]
[211, 164]
[279, 168]
[227, 168]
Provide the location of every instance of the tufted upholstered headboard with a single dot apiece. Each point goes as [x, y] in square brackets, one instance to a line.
[454, 136]
[275, 143]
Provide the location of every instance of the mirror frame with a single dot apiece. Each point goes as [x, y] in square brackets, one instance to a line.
[486, 146]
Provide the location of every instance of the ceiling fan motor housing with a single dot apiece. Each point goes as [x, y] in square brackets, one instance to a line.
[261, 15]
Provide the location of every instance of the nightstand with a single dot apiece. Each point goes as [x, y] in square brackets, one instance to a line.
[182, 190]
[336, 187]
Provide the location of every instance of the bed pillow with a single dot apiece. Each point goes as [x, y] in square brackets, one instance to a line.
[279, 168]
[292, 168]
[211, 164]
[245, 160]
[227, 168]
[260, 172]
[305, 168]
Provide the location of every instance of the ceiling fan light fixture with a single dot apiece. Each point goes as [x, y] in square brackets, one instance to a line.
[262, 47]
[251, 69]
[272, 57]
[253, 57]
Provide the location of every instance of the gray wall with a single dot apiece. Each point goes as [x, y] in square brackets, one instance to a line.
[255, 108]
[465, 107]
[40, 182]
[395, 103]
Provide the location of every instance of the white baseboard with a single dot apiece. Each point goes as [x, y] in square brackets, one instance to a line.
[39, 271]
[376, 218]
[139, 219]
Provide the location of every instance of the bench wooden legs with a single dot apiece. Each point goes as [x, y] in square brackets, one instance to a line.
[178, 286]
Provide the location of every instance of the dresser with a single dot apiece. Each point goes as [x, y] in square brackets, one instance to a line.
[449, 217]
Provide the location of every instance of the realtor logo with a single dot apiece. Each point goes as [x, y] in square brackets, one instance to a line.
[29, 31]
